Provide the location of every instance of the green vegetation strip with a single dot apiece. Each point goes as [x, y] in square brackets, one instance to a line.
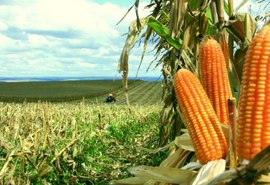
[96, 91]
[69, 143]
[140, 92]
[56, 91]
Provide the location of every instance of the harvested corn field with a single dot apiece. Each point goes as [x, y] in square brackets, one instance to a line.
[66, 143]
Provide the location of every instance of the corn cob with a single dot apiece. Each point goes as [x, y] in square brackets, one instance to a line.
[253, 130]
[215, 79]
[202, 123]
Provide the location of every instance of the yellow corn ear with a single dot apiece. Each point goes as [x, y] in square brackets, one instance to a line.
[253, 130]
[202, 123]
[214, 76]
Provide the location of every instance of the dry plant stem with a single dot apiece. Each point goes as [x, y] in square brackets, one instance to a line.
[10, 157]
[30, 161]
[232, 133]
[46, 126]
[65, 148]
[231, 10]
[225, 48]
[214, 12]
[125, 85]
[230, 46]
[36, 138]
[220, 12]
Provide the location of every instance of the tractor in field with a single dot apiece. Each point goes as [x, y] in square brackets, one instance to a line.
[111, 98]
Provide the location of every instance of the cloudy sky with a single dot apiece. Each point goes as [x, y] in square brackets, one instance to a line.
[67, 38]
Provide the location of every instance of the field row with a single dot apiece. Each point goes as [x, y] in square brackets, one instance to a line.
[140, 93]
[96, 91]
[56, 91]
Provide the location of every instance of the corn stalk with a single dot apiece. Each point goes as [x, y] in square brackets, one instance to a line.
[177, 27]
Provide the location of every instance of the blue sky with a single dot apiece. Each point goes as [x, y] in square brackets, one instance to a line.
[69, 38]
[66, 38]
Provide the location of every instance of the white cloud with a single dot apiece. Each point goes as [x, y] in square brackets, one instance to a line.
[61, 37]
[253, 7]
[69, 37]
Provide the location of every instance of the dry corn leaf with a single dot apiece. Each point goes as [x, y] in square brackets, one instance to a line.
[265, 179]
[163, 174]
[64, 149]
[158, 149]
[177, 15]
[184, 142]
[9, 178]
[209, 171]
[243, 27]
[176, 159]
[8, 160]
[44, 170]
[192, 166]
[132, 36]
[188, 61]
[131, 181]
[255, 168]
[261, 161]
[242, 3]
[4, 144]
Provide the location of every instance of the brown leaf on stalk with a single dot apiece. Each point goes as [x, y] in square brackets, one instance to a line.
[132, 36]
[225, 49]
[177, 15]
[147, 35]
[261, 161]
[203, 23]
[189, 38]
[242, 27]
